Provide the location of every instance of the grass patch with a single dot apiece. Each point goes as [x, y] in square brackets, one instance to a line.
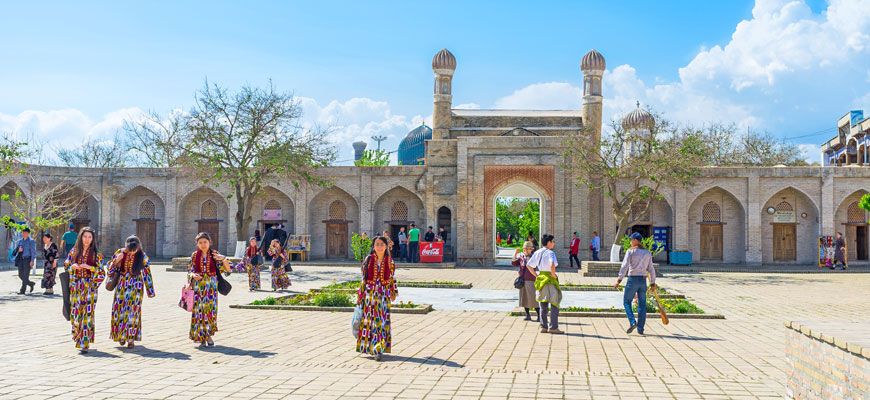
[675, 306]
[323, 299]
[605, 287]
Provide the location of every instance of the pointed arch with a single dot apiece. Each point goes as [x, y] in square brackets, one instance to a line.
[717, 227]
[790, 233]
[323, 228]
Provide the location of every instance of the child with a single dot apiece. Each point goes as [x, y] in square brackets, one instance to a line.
[280, 280]
[252, 262]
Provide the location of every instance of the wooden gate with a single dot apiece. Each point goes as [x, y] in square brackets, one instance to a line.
[336, 240]
[146, 230]
[784, 243]
[212, 228]
[711, 242]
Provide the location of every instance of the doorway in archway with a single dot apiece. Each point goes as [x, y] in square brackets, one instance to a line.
[518, 210]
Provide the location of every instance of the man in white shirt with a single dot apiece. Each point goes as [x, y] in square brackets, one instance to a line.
[549, 295]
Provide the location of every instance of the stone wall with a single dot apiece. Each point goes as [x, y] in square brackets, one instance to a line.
[828, 360]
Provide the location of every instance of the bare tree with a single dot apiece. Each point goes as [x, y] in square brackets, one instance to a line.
[247, 138]
[155, 141]
[51, 203]
[96, 154]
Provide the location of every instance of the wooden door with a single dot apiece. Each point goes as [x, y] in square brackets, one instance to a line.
[212, 228]
[336, 240]
[711, 242]
[147, 233]
[860, 243]
[784, 243]
[81, 223]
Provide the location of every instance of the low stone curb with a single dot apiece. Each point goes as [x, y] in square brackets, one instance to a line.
[422, 309]
[184, 269]
[611, 314]
[854, 348]
[851, 270]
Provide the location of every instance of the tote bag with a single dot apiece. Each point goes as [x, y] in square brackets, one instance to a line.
[186, 301]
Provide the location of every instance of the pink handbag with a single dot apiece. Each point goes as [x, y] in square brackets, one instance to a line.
[186, 301]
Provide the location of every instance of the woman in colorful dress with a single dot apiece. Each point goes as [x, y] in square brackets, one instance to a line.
[135, 274]
[252, 254]
[377, 290]
[84, 265]
[205, 264]
[280, 279]
[49, 267]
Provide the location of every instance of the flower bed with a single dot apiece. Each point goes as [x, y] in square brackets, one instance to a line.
[674, 307]
[427, 284]
[570, 287]
[331, 300]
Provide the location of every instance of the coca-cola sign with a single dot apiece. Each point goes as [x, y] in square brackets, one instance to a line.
[430, 251]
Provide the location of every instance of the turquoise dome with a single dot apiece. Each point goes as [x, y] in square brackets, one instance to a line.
[412, 149]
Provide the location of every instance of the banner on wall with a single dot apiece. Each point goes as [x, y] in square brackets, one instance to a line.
[826, 251]
[272, 215]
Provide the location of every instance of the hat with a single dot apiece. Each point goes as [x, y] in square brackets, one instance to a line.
[72, 225]
[637, 236]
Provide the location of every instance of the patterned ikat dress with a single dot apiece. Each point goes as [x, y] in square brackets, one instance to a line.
[127, 305]
[83, 286]
[377, 287]
[203, 319]
[280, 279]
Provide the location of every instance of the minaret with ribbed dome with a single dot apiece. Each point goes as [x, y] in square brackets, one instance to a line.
[443, 64]
[593, 66]
[637, 124]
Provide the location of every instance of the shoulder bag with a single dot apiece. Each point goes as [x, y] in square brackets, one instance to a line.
[224, 287]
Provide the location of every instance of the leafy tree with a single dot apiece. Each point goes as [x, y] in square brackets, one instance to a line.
[373, 158]
[865, 203]
[518, 216]
[361, 246]
[247, 138]
[667, 157]
[95, 154]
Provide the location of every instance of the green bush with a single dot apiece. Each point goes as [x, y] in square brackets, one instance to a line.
[332, 299]
[268, 301]
[361, 246]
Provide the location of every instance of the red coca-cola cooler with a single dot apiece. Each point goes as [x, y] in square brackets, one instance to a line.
[431, 252]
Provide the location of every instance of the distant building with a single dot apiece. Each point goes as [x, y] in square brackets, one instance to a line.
[850, 146]
[358, 149]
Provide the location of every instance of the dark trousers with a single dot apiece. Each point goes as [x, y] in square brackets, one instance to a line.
[572, 258]
[413, 252]
[595, 255]
[24, 272]
[403, 252]
[553, 316]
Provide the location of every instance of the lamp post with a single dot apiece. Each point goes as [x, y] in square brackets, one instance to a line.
[379, 139]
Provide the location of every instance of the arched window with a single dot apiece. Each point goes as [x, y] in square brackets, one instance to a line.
[638, 213]
[711, 212]
[208, 210]
[272, 205]
[337, 211]
[82, 210]
[784, 206]
[855, 215]
[146, 209]
[399, 211]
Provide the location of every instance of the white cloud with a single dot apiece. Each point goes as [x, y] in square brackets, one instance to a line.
[543, 96]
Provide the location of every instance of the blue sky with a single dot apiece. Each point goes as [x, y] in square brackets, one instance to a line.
[71, 71]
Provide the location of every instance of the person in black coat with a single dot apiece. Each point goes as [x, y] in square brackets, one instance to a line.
[267, 240]
[281, 235]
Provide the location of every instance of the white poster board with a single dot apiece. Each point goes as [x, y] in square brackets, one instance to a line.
[240, 249]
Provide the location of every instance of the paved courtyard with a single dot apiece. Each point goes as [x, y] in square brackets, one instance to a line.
[445, 354]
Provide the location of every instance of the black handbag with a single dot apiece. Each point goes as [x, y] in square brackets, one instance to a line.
[256, 259]
[224, 287]
[64, 287]
[519, 283]
[112, 283]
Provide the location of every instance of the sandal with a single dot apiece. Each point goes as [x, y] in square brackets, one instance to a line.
[122, 342]
[130, 345]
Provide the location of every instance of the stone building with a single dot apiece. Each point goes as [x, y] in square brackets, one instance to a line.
[732, 215]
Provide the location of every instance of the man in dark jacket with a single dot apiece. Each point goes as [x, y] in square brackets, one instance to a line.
[430, 236]
[281, 235]
[267, 241]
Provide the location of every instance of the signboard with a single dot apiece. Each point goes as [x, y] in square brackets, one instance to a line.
[272, 215]
[783, 217]
[856, 116]
[431, 252]
[826, 251]
[660, 235]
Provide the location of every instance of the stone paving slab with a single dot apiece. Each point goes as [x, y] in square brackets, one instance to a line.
[445, 354]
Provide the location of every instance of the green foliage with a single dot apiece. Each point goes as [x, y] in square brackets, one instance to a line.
[517, 216]
[681, 306]
[647, 243]
[361, 246]
[865, 202]
[332, 299]
[268, 301]
[373, 158]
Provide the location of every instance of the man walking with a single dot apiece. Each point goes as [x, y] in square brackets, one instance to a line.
[68, 240]
[573, 250]
[26, 252]
[637, 264]
[414, 244]
[595, 246]
[403, 244]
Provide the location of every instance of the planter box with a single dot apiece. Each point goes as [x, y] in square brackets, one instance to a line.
[613, 314]
[606, 269]
[681, 257]
[421, 309]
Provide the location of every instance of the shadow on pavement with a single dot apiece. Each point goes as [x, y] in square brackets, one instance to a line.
[681, 337]
[144, 351]
[232, 351]
[98, 354]
[428, 361]
[583, 335]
